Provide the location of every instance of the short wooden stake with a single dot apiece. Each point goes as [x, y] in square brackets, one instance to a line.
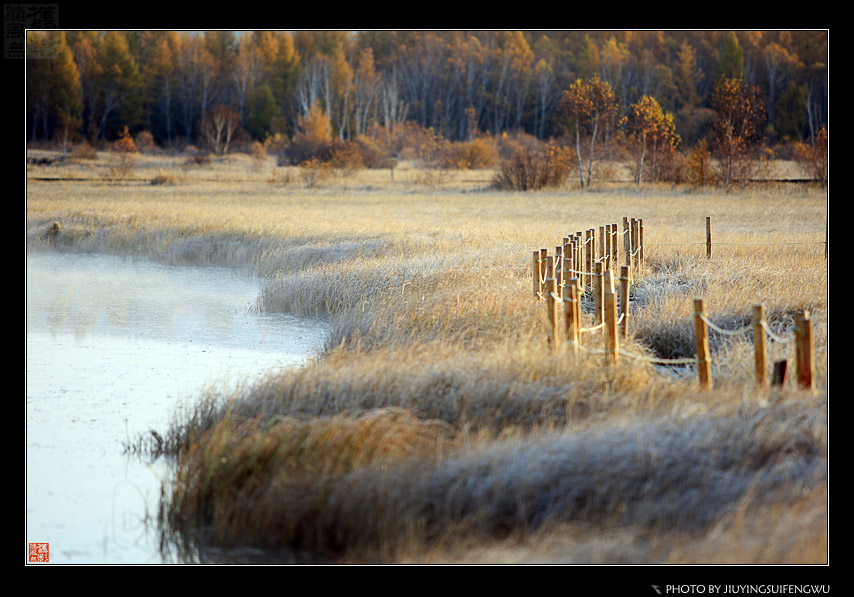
[613, 347]
[804, 350]
[701, 332]
[760, 357]
[778, 376]
[624, 300]
[708, 237]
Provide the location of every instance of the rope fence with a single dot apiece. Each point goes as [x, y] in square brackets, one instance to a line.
[581, 267]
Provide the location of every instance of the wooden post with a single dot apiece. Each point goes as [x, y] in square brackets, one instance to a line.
[598, 294]
[635, 242]
[778, 376]
[612, 343]
[803, 350]
[573, 251]
[624, 300]
[591, 256]
[567, 264]
[760, 358]
[601, 247]
[708, 237]
[571, 314]
[544, 255]
[701, 332]
[535, 273]
[640, 243]
[559, 270]
[614, 248]
[551, 311]
[627, 242]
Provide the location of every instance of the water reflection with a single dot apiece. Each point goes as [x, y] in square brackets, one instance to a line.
[113, 348]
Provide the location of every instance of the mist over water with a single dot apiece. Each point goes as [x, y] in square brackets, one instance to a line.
[113, 349]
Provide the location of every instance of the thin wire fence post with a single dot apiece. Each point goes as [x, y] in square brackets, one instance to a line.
[708, 237]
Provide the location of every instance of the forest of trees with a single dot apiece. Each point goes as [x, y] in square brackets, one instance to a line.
[176, 85]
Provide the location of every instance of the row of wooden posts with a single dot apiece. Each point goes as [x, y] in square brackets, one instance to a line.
[585, 264]
[582, 254]
[581, 265]
[803, 339]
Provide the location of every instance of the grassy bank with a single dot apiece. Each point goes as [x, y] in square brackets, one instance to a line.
[437, 426]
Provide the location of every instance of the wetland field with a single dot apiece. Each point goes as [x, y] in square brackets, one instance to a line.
[436, 425]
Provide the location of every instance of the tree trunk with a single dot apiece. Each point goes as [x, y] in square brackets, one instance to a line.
[578, 154]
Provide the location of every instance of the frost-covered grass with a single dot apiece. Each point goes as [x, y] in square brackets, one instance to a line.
[437, 426]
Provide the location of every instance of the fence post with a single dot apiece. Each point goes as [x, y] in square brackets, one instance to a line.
[571, 313]
[535, 273]
[602, 245]
[803, 350]
[633, 223]
[598, 294]
[559, 270]
[567, 263]
[544, 255]
[613, 348]
[590, 249]
[624, 300]
[614, 245]
[778, 375]
[627, 242]
[640, 243]
[551, 311]
[701, 332]
[708, 237]
[760, 358]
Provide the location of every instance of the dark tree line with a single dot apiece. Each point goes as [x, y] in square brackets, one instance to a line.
[91, 84]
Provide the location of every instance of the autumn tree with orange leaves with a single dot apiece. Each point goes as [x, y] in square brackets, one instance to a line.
[651, 136]
[738, 127]
[585, 108]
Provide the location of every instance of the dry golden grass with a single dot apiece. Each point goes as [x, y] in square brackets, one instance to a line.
[437, 426]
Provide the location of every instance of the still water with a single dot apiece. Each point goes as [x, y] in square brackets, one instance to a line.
[114, 348]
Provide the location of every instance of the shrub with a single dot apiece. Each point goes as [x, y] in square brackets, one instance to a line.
[698, 165]
[199, 158]
[83, 151]
[813, 158]
[164, 178]
[475, 154]
[145, 142]
[313, 171]
[346, 156]
[529, 169]
[122, 156]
